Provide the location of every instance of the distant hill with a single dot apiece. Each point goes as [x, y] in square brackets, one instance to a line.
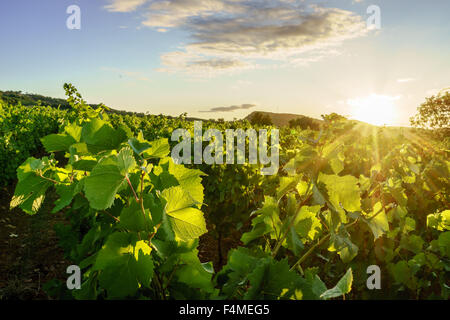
[28, 99]
[31, 99]
[282, 119]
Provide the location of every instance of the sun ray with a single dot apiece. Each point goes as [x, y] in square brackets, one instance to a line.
[374, 109]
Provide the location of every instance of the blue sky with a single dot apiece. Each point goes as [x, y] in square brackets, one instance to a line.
[224, 59]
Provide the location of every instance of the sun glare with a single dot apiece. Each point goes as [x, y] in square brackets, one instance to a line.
[375, 109]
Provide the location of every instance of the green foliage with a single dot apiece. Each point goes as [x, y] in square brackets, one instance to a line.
[344, 198]
[127, 209]
[260, 119]
[20, 131]
[343, 287]
[434, 113]
[342, 201]
[305, 123]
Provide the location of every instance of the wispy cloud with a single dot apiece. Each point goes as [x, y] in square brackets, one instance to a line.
[245, 106]
[231, 35]
[124, 5]
[180, 61]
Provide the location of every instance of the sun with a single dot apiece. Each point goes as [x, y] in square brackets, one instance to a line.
[374, 109]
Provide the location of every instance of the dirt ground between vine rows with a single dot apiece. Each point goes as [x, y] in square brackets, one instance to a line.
[30, 255]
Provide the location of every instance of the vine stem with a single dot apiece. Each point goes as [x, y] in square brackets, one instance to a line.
[107, 213]
[280, 242]
[318, 244]
[159, 284]
[155, 231]
[170, 277]
[48, 179]
[141, 199]
[132, 189]
[308, 253]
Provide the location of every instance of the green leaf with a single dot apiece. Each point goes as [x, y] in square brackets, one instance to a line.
[317, 285]
[195, 276]
[294, 242]
[100, 135]
[85, 164]
[102, 185]
[208, 267]
[74, 131]
[401, 272]
[307, 224]
[66, 194]
[444, 243]
[132, 218]
[189, 179]
[409, 225]
[125, 160]
[57, 142]
[267, 222]
[337, 165]
[30, 189]
[88, 290]
[286, 184]
[186, 220]
[439, 220]
[79, 149]
[158, 149]
[378, 221]
[138, 145]
[142, 264]
[302, 187]
[303, 161]
[343, 286]
[242, 260]
[343, 193]
[125, 263]
[413, 243]
[342, 243]
[269, 279]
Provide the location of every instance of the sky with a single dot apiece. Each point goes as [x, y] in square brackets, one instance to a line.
[227, 58]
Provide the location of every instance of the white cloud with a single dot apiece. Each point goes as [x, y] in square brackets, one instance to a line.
[124, 5]
[198, 65]
[231, 35]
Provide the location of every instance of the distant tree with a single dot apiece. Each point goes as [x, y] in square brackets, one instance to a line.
[260, 119]
[304, 123]
[333, 117]
[434, 113]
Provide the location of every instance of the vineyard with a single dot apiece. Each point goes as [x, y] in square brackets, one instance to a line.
[347, 196]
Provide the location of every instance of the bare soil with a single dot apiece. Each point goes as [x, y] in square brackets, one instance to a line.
[29, 251]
